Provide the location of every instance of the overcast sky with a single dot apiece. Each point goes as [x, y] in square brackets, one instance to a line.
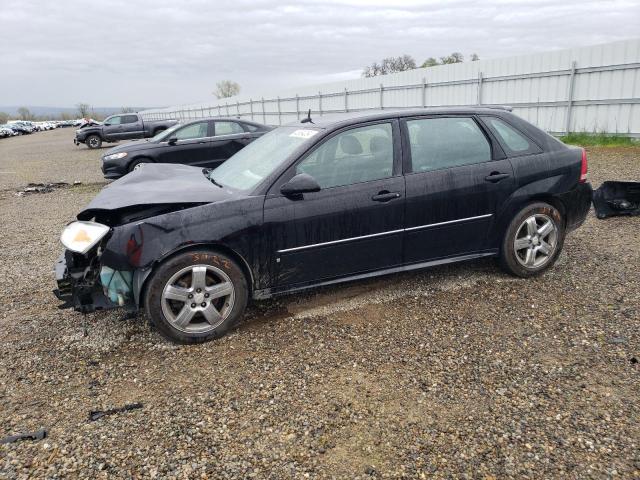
[160, 52]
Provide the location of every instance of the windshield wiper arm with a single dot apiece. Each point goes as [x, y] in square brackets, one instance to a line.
[207, 173]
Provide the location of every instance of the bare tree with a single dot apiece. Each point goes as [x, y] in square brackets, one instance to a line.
[127, 110]
[226, 89]
[455, 57]
[4, 118]
[83, 109]
[25, 114]
[390, 65]
[474, 57]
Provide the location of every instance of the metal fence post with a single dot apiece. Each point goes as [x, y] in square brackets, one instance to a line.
[219, 111]
[226, 104]
[251, 108]
[279, 113]
[264, 114]
[320, 102]
[424, 92]
[238, 108]
[570, 98]
[297, 107]
[346, 100]
[479, 88]
[381, 96]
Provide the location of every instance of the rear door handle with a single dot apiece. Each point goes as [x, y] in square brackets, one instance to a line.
[385, 196]
[496, 177]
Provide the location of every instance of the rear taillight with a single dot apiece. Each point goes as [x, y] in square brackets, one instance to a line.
[583, 167]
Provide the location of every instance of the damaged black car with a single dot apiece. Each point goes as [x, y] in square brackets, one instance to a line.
[323, 201]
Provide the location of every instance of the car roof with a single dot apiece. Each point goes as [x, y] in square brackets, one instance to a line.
[342, 119]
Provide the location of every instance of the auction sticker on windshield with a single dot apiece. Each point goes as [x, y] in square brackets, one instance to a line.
[303, 133]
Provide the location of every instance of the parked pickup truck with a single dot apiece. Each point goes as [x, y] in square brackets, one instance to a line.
[124, 126]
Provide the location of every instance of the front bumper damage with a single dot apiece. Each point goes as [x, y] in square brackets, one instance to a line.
[87, 286]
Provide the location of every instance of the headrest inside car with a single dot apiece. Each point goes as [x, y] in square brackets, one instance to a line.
[379, 144]
[350, 145]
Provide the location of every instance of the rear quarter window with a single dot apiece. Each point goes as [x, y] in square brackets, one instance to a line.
[513, 141]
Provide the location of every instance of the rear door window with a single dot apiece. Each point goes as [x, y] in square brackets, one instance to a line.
[227, 128]
[513, 142]
[446, 142]
[129, 119]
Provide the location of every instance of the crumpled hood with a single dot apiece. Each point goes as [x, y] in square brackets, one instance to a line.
[156, 184]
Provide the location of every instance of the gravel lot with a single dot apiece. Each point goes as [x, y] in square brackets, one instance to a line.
[458, 372]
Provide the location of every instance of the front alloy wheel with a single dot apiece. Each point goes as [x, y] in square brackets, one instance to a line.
[196, 296]
[197, 299]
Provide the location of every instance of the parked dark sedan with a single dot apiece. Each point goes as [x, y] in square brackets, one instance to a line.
[317, 203]
[206, 142]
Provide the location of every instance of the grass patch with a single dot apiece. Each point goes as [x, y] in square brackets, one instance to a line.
[597, 140]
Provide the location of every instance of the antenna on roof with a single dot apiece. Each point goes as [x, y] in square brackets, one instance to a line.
[308, 119]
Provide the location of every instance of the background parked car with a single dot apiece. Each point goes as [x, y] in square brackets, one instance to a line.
[123, 126]
[203, 142]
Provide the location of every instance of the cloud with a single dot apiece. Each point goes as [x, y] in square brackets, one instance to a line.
[160, 52]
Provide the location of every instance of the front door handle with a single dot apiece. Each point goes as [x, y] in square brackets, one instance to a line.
[385, 196]
[496, 177]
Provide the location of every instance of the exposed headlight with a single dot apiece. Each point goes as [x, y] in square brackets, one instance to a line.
[115, 156]
[82, 236]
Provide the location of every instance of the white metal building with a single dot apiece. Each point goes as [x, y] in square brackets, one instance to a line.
[586, 89]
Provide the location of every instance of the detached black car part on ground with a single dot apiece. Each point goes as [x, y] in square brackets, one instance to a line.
[617, 199]
[310, 204]
[203, 142]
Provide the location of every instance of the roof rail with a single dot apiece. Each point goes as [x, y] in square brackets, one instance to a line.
[499, 107]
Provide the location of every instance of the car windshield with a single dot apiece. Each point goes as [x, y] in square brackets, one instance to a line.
[163, 135]
[260, 158]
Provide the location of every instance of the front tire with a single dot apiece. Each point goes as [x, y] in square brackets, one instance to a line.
[93, 141]
[137, 164]
[533, 240]
[196, 296]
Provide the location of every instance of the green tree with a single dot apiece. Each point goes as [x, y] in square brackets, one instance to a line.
[430, 62]
[226, 89]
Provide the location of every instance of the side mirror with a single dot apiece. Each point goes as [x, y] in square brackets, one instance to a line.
[301, 183]
[173, 140]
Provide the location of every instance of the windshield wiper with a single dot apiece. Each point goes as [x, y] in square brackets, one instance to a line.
[207, 173]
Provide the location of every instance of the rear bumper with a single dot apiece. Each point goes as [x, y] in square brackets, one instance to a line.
[577, 203]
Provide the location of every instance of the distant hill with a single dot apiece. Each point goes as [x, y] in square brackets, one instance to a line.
[55, 112]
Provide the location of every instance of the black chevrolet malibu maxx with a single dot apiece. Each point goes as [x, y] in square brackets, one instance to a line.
[322, 202]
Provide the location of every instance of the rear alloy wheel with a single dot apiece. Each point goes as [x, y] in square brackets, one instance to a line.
[196, 296]
[93, 141]
[533, 240]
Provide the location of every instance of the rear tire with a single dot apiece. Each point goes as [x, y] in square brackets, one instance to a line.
[196, 296]
[533, 240]
[93, 141]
